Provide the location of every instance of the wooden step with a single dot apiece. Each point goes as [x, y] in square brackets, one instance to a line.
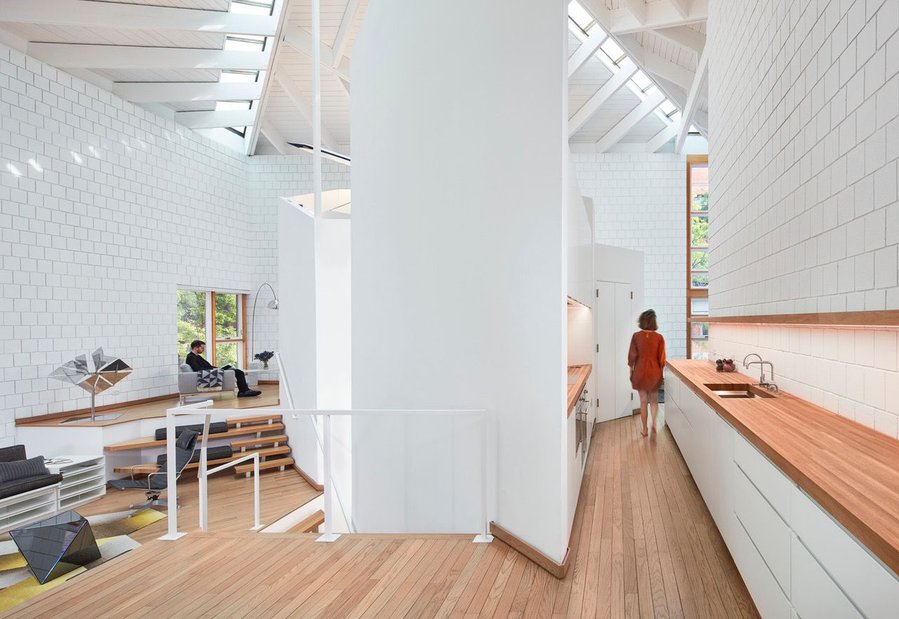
[277, 463]
[310, 523]
[149, 442]
[249, 443]
[239, 422]
[149, 467]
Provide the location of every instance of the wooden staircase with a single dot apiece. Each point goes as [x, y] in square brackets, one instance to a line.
[263, 434]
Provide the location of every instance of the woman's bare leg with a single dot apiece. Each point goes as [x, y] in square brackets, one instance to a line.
[653, 397]
[644, 398]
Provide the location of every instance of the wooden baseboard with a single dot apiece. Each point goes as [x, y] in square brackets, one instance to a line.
[269, 382]
[308, 479]
[86, 411]
[559, 570]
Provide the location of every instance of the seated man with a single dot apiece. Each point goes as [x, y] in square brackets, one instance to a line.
[197, 363]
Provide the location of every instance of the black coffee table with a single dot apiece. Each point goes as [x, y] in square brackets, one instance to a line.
[57, 545]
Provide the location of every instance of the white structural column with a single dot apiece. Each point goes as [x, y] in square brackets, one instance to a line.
[586, 51]
[458, 267]
[693, 99]
[614, 84]
[630, 121]
[300, 102]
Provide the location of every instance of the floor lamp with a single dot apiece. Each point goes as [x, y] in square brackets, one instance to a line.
[273, 304]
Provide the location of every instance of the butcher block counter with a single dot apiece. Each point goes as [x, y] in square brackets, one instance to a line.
[851, 470]
[577, 380]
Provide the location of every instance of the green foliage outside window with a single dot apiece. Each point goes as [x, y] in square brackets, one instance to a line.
[226, 316]
[191, 319]
[699, 231]
[700, 201]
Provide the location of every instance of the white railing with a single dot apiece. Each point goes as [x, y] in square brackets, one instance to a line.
[204, 472]
[326, 446]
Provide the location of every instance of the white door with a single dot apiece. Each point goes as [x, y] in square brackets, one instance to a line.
[614, 315]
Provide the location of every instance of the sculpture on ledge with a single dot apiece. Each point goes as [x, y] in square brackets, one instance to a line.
[95, 377]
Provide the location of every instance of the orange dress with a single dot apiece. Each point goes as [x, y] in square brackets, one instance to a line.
[646, 358]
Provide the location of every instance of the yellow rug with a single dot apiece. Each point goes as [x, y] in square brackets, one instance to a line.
[111, 532]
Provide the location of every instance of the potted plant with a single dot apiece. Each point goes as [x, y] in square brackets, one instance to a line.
[264, 356]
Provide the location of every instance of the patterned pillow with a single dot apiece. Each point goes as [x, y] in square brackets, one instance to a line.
[210, 380]
[20, 469]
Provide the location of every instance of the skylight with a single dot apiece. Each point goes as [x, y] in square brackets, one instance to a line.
[252, 7]
[642, 81]
[611, 49]
[245, 43]
[579, 16]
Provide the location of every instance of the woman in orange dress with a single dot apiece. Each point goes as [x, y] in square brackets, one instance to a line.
[646, 358]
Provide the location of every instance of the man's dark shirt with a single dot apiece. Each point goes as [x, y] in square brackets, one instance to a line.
[197, 363]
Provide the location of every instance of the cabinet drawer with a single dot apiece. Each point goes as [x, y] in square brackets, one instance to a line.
[814, 593]
[768, 532]
[770, 600]
[770, 481]
[870, 586]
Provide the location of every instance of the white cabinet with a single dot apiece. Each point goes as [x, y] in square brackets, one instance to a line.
[83, 479]
[795, 559]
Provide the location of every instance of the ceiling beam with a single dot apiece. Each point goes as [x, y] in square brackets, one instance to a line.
[275, 138]
[586, 51]
[170, 92]
[296, 96]
[681, 6]
[657, 15]
[133, 16]
[621, 129]
[67, 55]
[662, 137]
[216, 119]
[689, 110]
[612, 85]
[343, 32]
[683, 36]
[655, 64]
[637, 8]
[301, 40]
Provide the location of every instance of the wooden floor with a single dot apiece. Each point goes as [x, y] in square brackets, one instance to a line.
[230, 502]
[157, 408]
[644, 545]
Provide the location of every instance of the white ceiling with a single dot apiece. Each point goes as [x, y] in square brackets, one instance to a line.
[664, 38]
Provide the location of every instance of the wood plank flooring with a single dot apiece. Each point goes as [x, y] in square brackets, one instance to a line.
[643, 545]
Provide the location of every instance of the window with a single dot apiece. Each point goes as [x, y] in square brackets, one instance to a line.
[697, 255]
[221, 315]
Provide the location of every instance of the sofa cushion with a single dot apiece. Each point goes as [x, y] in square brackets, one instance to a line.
[212, 453]
[185, 368]
[214, 428]
[12, 488]
[16, 452]
[20, 469]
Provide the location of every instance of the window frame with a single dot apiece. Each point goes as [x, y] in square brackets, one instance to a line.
[692, 292]
[211, 334]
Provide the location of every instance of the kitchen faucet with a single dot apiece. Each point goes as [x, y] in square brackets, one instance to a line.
[761, 363]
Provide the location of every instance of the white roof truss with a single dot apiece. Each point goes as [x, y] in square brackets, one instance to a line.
[275, 138]
[343, 32]
[303, 106]
[133, 17]
[637, 9]
[301, 40]
[663, 137]
[217, 119]
[586, 50]
[168, 92]
[663, 14]
[621, 129]
[67, 55]
[684, 36]
[693, 99]
[594, 103]
[652, 63]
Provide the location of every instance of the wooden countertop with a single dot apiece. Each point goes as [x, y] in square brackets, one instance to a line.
[577, 380]
[851, 470]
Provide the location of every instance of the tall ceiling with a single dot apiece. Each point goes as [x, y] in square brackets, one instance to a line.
[247, 65]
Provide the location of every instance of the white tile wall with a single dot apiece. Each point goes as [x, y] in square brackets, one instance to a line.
[640, 202]
[852, 372]
[105, 210]
[804, 148]
[804, 145]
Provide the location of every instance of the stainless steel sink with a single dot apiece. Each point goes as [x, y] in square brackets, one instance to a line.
[737, 390]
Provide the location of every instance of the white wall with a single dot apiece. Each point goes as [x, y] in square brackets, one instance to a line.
[803, 190]
[459, 238]
[119, 209]
[640, 203]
